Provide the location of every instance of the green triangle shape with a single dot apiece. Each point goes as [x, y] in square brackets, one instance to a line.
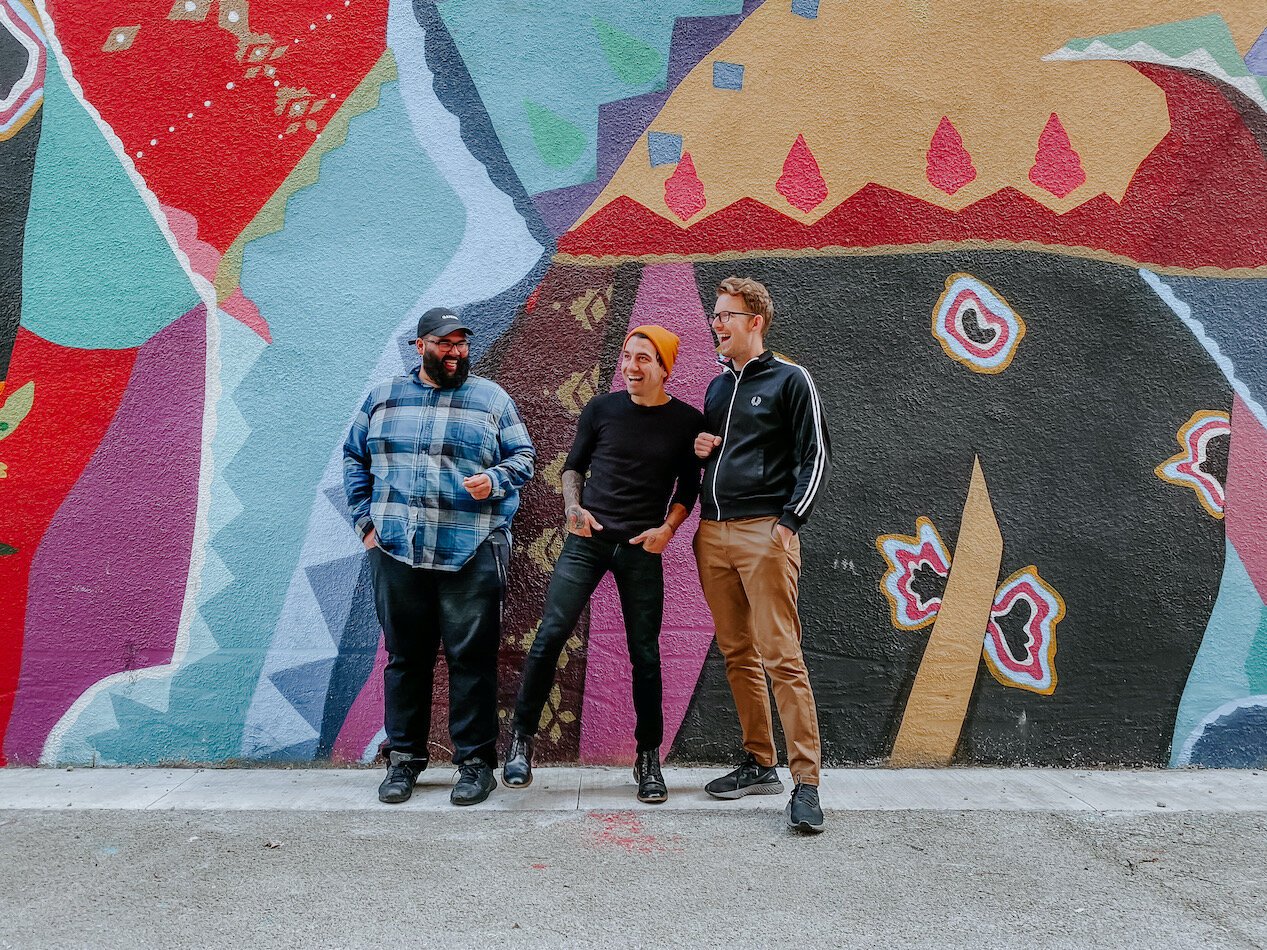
[558, 141]
[634, 61]
[97, 272]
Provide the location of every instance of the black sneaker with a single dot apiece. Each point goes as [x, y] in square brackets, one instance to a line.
[402, 774]
[749, 779]
[803, 811]
[517, 772]
[475, 781]
[651, 787]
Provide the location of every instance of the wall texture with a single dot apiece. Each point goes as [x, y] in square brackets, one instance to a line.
[1025, 257]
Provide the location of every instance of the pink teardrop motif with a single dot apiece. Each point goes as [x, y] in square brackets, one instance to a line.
[683, 191]
[801, 183]
[1057, 167]
[949, 164]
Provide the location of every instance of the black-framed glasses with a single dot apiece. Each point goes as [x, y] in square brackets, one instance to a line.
[723, 316]
[447, 346]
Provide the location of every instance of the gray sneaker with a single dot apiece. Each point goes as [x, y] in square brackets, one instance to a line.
[803, 812]
[751, 778]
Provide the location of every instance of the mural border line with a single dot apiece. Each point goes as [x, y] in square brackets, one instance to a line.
[933, 247]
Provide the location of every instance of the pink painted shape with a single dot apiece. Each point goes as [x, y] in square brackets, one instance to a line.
[668, 296]
[204, 260]
[365, 718]
[683, 190]
[949, 164]
[243, 309]
[802, 182]
[1057, 167]
[1246, 512]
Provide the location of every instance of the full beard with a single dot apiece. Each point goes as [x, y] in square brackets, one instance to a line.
[434, 367]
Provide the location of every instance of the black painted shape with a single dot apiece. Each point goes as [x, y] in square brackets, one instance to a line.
[1236, 740]
[1217, 449]
[358, 646]
[457, 92]
[975, 330]
[1069, 437]
[927, 584]
[14, 58]
[1012, 625]
[17, 166]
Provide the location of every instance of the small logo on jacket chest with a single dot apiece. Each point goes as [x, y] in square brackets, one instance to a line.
[756, 400]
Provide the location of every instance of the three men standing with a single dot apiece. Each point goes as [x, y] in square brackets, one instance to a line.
[432, 469]
[644, 479]
[768, 458]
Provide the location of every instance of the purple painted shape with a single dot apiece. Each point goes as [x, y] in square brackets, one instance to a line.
[666, 295]
[561, 207]
[622, 123]
[1256, 58]
[108, 579]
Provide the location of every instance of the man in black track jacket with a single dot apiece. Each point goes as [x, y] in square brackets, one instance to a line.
[768, 458]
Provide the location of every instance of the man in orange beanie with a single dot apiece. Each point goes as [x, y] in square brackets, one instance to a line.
[638, 446]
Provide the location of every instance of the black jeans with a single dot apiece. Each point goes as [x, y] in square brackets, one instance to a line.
[419, 609]
[640, 581]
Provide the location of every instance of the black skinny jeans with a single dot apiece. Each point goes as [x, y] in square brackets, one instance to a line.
[420, 609]
[640, 582]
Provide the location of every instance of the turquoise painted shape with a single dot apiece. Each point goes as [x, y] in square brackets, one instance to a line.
[1221, 672]
[559, 55]
[358, 249]
[98, 273]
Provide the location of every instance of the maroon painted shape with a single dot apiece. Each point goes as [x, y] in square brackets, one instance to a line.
[108, 579]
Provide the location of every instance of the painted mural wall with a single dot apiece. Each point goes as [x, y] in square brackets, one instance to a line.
[1025, 258]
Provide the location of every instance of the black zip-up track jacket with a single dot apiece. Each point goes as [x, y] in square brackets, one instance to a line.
[775, 454]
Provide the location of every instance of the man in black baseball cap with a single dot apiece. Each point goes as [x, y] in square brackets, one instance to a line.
[432, 467]
[446, 361]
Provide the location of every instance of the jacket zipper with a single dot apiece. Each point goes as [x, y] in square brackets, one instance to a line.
[726, 432]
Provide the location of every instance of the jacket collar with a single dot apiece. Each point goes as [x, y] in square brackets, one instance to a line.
[765, 357]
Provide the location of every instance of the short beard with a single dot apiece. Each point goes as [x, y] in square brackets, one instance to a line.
[434, 367]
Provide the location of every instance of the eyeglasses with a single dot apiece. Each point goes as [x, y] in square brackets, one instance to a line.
[446, 346]
[723, 316]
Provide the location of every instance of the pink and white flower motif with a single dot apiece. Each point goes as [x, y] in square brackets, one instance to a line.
[976, 326]
[1040, 608]
[1202, 461]
[913, 561]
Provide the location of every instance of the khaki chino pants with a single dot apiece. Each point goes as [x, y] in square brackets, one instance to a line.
[750, 583]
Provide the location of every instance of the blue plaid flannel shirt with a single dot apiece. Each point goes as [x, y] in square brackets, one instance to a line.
[410, 447]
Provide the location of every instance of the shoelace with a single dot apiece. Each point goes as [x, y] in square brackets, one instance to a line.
[807, 794]
[399, 773]
[651, 768]
[468, 772]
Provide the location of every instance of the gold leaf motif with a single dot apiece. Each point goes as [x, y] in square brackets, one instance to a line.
[554, 472]
[590, 309]
[545, 550]
[577, 390]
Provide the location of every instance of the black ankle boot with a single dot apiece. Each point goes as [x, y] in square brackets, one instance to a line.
[517, 772]
[651, 787]
[475, 781]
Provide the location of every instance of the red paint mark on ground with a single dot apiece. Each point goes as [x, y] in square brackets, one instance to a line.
[538, 867]
[624, 830]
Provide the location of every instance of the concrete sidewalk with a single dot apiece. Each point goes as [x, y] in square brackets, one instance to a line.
[954, 858]
[587, 789]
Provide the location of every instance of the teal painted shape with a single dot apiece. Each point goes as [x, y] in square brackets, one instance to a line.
[1256, 662]
[98, 273]
[358, 249]
[555, 53]
[558, 141]
[634, 61]
[1219, 674]
[1178, 39]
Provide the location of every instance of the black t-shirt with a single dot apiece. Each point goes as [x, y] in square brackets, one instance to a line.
[635, 454]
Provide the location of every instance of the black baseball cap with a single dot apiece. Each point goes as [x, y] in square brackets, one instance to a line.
[440, 321]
